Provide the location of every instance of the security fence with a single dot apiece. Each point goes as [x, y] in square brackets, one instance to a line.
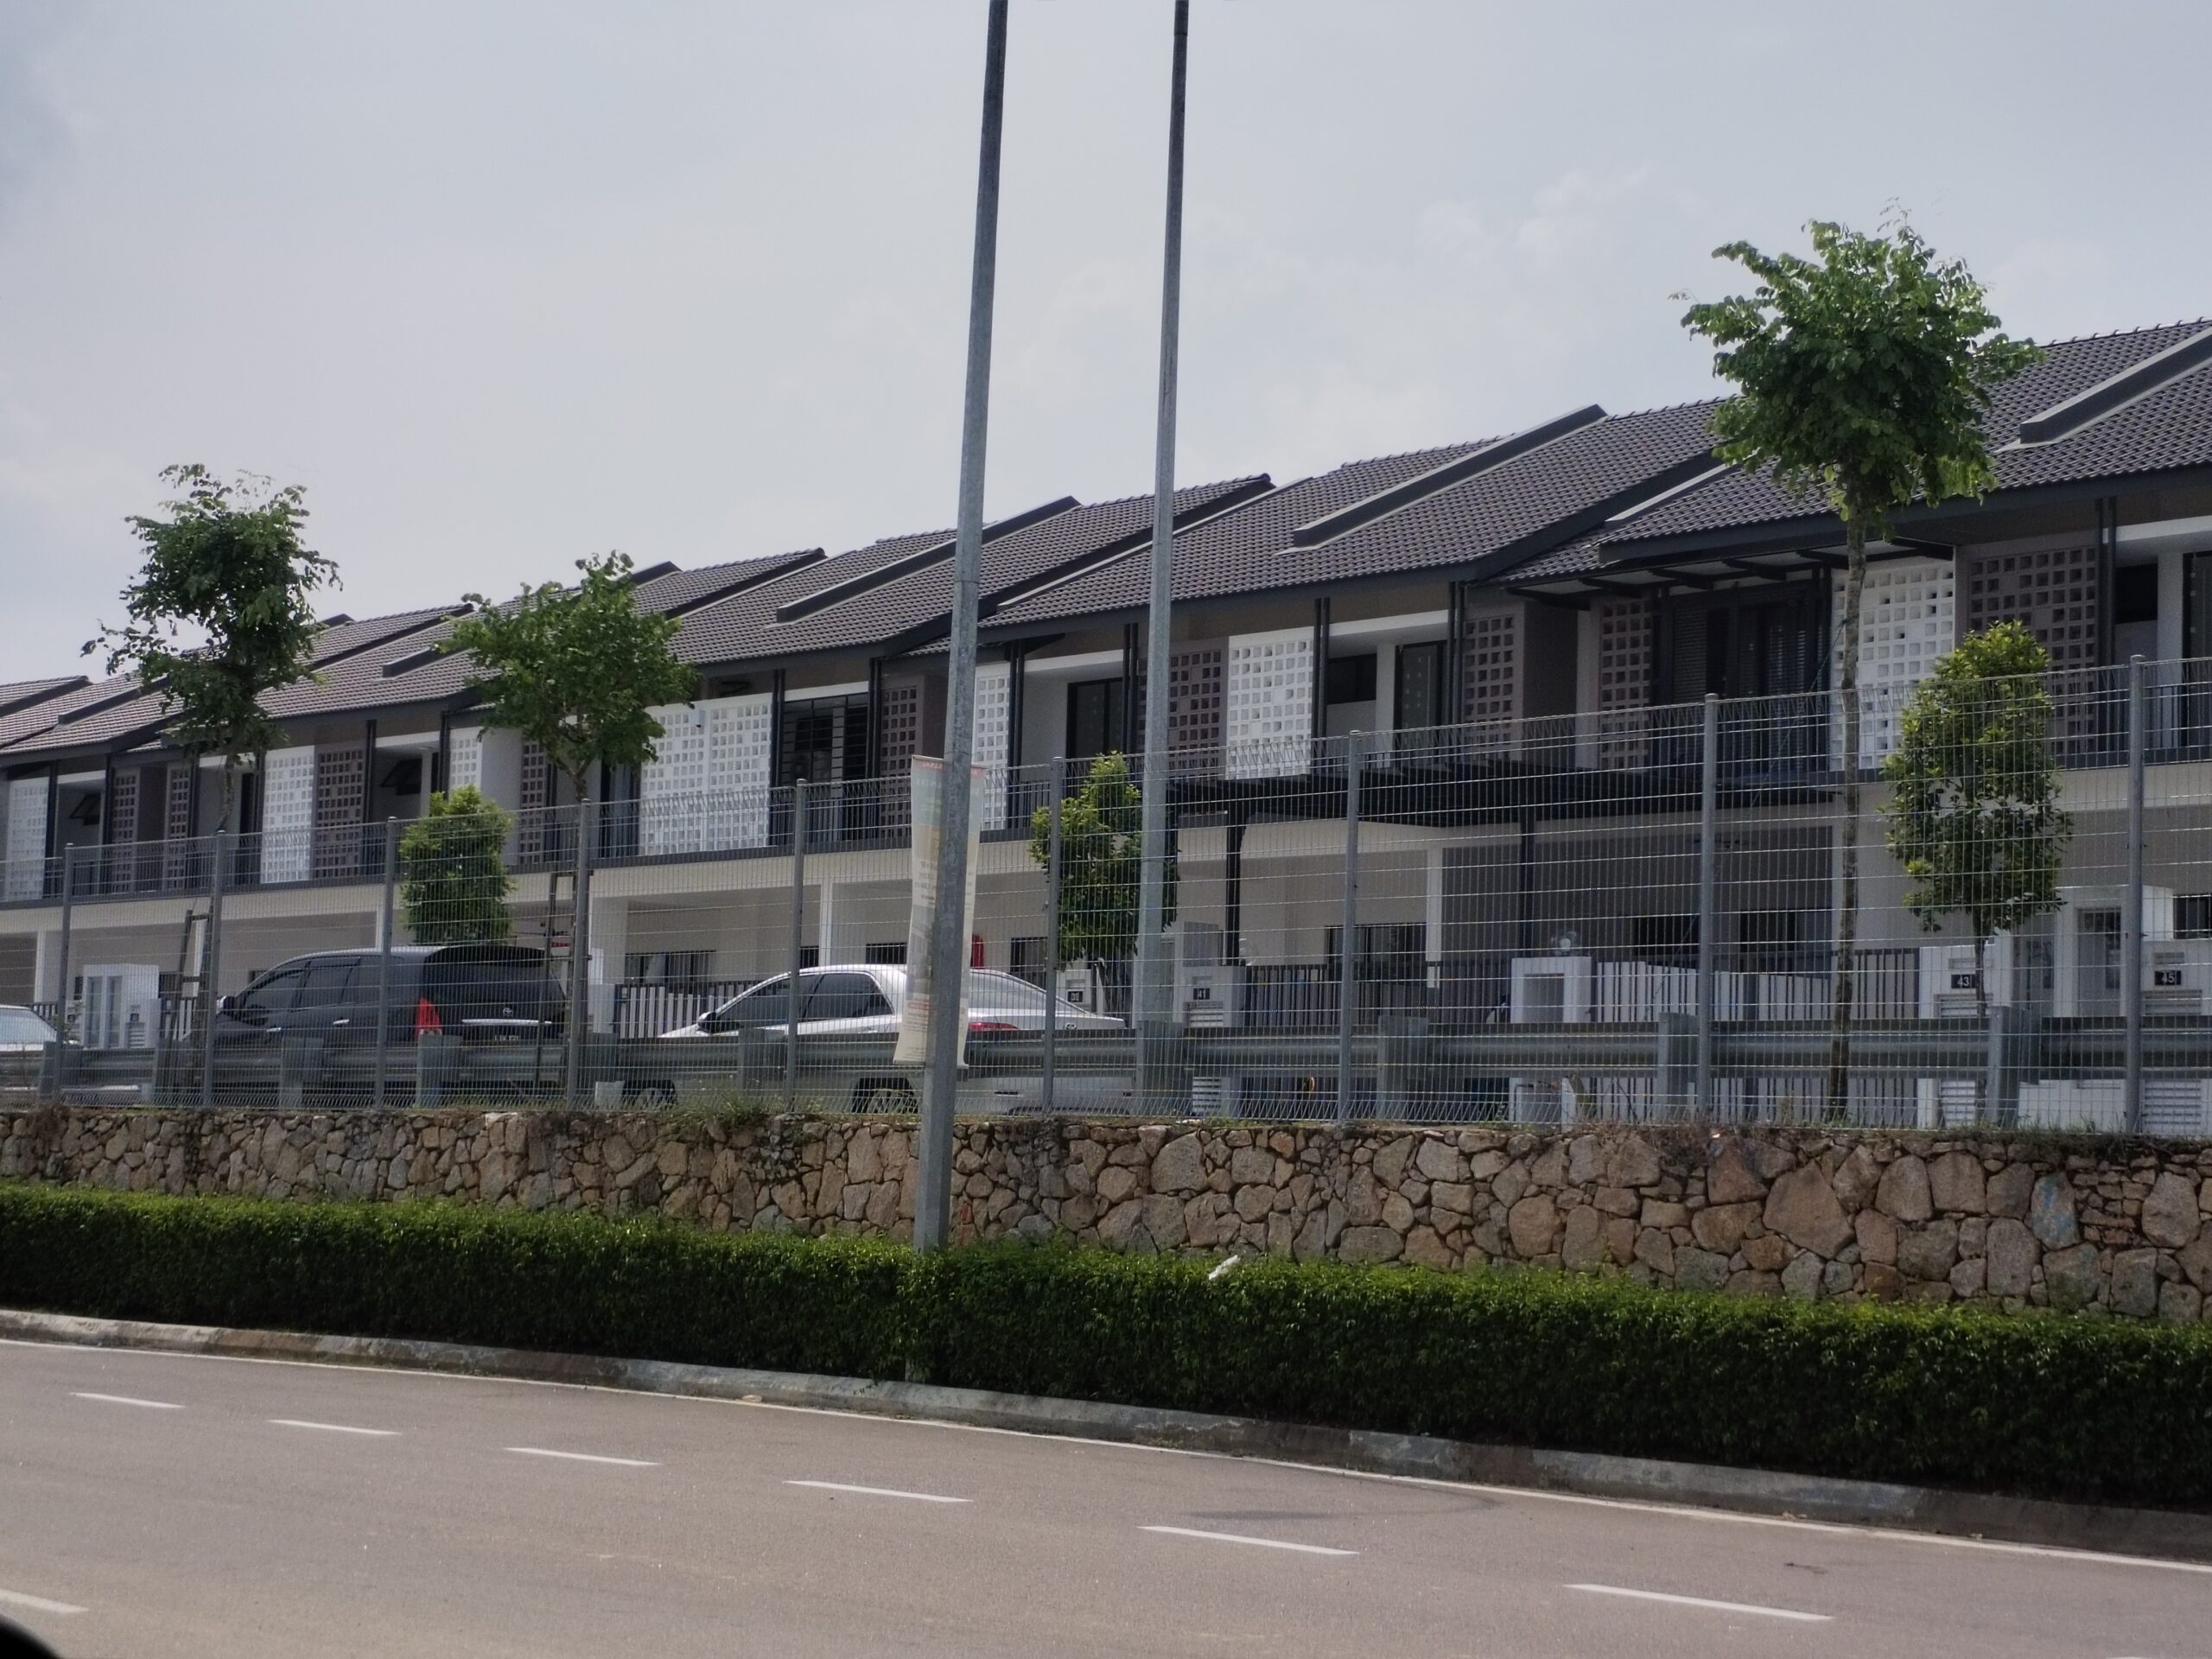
[1658, 914]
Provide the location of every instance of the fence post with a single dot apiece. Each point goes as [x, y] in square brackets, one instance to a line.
[383, 959]
[798, 930]
[218, 880]
[2131, 920]
[1348, 945]
[61, 995]
[1052, 936]
[1709, 922]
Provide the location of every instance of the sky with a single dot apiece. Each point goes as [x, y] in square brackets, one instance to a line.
[502, 285]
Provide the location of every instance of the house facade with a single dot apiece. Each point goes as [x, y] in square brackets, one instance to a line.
[1521, 630]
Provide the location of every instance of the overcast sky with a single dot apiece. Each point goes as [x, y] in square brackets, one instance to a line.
[505, 284]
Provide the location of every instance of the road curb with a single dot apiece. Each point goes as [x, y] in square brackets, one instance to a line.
[2171, 1533]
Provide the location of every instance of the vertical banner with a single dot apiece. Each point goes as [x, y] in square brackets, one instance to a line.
[928, 775]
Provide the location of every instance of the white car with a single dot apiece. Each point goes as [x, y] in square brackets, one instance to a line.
[857, 999]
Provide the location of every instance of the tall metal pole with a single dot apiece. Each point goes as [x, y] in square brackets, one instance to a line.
[2131, 917]
[1708, 921]
[1154, 976]
[798, 943]
[949, 948]
[1051, 937]
[218, 880]
[383, 959]
[1348, 942]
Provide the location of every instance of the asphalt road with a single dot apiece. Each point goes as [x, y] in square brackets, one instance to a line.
[164, 1505]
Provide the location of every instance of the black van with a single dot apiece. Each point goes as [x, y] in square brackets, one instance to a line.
[500, 1001]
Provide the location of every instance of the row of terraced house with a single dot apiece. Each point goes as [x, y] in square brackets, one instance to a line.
[1524, 630]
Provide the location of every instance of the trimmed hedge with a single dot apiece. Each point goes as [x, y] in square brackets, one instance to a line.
[2044, 1406]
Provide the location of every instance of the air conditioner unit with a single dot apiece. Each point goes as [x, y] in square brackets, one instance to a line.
[1551, 990]
[119, 1005]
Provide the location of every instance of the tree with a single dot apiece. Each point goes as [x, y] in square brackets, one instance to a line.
[452, 872]
[1102, 857]
[221, 611]
[1862, 375]
[1974, 816]
[579, 671]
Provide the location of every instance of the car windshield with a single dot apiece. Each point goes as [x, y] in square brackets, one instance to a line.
[22, 1026]
[766, 1004]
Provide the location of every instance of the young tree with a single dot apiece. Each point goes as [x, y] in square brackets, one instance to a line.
[221, 611]
[1102, 857]
[1974, 816]
[453, 871]
[1862, 376]
[579, 671]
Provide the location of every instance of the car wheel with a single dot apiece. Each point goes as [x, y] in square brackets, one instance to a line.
[651, 1097]
[885, 1095]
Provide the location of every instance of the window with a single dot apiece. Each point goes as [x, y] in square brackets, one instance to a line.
[2193, 916]
[2134, 593]
[271, 996]
[326, 984]
[1095, 718]
[1026, 959]
[684, 970]
[844, 996]
[890, 954]
[1351, 679]
[765, 1004]
[1421, 686]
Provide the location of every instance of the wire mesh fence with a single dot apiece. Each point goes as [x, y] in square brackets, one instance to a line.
[2001, 913]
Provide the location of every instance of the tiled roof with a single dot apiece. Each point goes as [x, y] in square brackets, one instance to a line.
[20, 694]
[1559, 487]
[2169, 429]
[916, 606]
[725, 632]
[1211, 557]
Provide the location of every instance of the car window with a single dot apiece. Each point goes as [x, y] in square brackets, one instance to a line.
[763, 1005]
[844, 996]
[326, 984]
[22, 1026]
[519, 980]
[271, 995]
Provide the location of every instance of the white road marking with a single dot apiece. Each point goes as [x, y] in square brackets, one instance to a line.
[1701, 1601]
[37, 1604]
[876, 1492]
[1239, 1538]
[126, 1400]
[332, 1428]
[583, 1456]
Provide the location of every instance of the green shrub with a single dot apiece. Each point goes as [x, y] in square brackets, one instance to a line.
[2038, 1405]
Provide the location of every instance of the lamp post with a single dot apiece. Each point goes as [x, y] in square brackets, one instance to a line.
[948, 941]
[1155, 973]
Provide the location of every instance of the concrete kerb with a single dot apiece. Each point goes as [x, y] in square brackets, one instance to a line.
[2171, 1533]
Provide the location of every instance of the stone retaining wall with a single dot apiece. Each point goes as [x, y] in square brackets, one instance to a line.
[2119, 1227]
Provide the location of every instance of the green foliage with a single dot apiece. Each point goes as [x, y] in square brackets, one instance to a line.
[1974, 816]
[221, 611]
[579, 670]
[1863, 372]
[453, 871]
[2005, 1402]
[1102, 864]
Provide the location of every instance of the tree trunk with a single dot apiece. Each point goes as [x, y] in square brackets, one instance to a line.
[580, 947]
[1981, 977]
[1846, 920]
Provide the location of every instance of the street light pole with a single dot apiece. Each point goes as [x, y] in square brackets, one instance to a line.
[948, 941]
[1154, 988]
